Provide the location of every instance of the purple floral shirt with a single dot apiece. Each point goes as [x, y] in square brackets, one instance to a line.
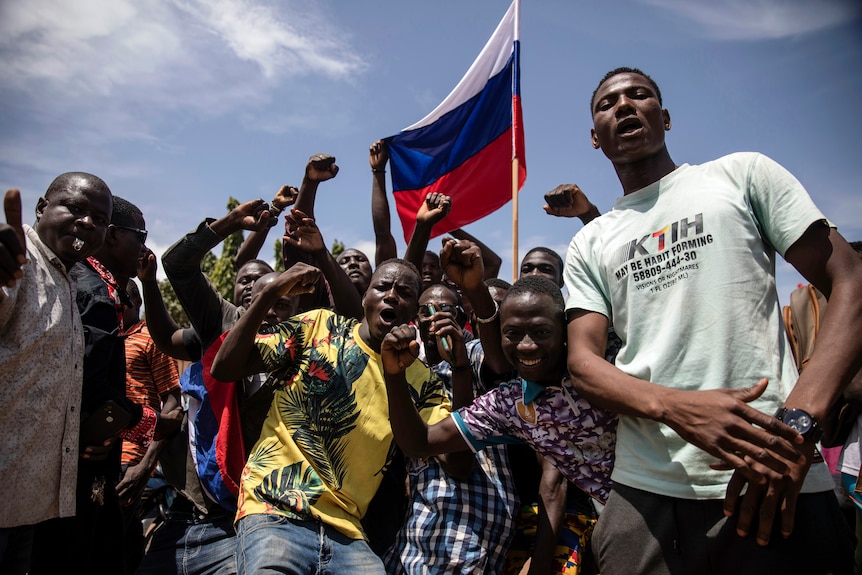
[555, 421]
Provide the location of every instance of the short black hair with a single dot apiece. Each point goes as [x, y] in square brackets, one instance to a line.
[624, 70]
[66, 180]
[452, 286]
[551, 253]
[499, 283]
[408, 265]
[534, 284]
[125, 213]
[258, 262]
[856, 246]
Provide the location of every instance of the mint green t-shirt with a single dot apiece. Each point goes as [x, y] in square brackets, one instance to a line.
[685, 270]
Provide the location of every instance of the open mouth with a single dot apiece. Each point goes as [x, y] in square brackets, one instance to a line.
[388, 316]
[529, 362]
[629, 126]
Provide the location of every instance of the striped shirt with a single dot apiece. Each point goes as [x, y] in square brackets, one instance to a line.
[150, 374]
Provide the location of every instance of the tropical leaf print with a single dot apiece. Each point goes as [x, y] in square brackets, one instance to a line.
[429, 394]
[264, 455]
[282, 359]
[291, 489]
[321, 414]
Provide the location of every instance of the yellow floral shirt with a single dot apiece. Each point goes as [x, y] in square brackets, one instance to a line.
[326, 440]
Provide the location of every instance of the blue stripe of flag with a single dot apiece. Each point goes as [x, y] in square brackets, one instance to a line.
[427, 153]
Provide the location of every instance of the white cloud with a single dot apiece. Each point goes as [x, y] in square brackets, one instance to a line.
[290, 41]
[761, 19]
[116, 67]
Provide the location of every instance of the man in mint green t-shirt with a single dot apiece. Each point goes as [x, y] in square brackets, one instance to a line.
[705, 386]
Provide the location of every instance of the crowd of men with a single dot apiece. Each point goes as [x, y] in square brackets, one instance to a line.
[422, 415]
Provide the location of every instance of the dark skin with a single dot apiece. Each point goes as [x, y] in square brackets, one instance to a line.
[304, 236]
[542, 264]
[435, 207]
[357, 267]
[238, 357]
[251, 245]
[439, 328]
[568, 201]
[81, 210]
[464, 266]
[122, 251]
[134, 480]
[166, 334]
[532, 341]
[768, 457]
[378, 155]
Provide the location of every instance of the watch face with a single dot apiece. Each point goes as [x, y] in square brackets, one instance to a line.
[798, 420]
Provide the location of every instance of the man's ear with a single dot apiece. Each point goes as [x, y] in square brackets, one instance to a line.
[110, 235]
[666, 115]
[40, 207]
[594, 139]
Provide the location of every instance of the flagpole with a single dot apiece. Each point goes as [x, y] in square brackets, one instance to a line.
[515, 157]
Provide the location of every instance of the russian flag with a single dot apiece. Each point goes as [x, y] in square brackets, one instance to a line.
[465, 148]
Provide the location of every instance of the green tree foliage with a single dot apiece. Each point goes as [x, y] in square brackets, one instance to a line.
[337, 248]
[172, 304]
[223, 274]
[279, 259]
[212, 267]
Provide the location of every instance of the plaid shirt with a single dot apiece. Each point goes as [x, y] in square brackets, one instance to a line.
[457, 526]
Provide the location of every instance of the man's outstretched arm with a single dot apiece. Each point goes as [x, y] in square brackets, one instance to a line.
[378, 155]
[238, 357]
[718, 421]
[415, 437]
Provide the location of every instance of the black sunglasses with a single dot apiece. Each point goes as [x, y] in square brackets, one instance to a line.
[428, 309]
[142, 234]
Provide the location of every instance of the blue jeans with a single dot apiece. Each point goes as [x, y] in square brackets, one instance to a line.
[189, 544]
[274, 544]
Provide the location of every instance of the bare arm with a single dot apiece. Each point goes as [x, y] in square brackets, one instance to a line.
[238, 357]
[134, 480]
[568, 201]
[253, 242]
[825, 259]
[490, 259]
[718, 421]
[433, 209]
[458, 464]
[552, 509]
[462, 263]
[378, 155]
[307, 238]
[320, 167]
[166, 334]
[413, 435]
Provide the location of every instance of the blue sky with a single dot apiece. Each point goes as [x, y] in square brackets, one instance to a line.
[179, 104]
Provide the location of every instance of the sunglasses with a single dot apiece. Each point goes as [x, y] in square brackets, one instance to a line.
[142, 234]
[429, 309]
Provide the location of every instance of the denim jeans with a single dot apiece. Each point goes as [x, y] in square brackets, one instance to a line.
[274, 544]
[189, 544]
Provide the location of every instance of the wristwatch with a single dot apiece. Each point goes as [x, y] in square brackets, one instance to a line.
[801, 421]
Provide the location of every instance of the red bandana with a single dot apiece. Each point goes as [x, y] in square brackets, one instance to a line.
[114, 290]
